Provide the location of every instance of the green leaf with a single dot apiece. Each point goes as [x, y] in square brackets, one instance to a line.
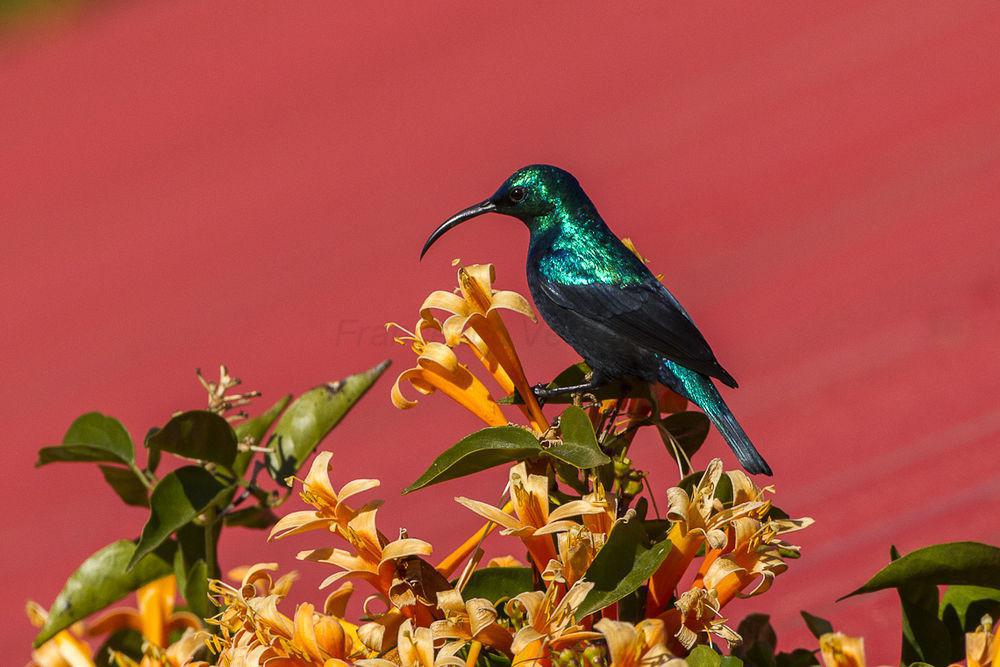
[256, 517]
[176, 500]
[196, 589]
[200, 435]
[817, 626]
[498, 583]
[101, 580]
[961, 610]
[759, 640]
[255, 429]
[632, 607]
[92, 437]
[311, 417]
[622, 565]
[689, 429]
[126, 641]
[800, 657]
[571, 477]
[153, 460]
[964, 563]
[963, 607]
[487, 657]
[703, 656]
[127, 485]
[925, 636]
[578, 444]
[483, 449]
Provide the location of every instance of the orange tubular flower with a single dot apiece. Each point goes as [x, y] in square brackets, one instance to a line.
[253, 632]
[744, 552]
[690, 516]
[374, 558]
[438, 369]
[155, 618]
[64, 649]
[476, 307]
[532, 521]
[546, 625]
[982, 647]
[467, 621]
[637, 645]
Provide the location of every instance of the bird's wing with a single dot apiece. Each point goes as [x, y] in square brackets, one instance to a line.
[648, 315]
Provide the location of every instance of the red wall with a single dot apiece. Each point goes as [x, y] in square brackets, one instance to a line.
[188, 182]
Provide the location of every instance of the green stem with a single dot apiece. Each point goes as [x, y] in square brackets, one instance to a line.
[141, 475]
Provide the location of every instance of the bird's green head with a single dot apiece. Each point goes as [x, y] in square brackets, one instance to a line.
[529, 194]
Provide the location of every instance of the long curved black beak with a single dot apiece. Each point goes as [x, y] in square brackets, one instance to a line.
[454, 221]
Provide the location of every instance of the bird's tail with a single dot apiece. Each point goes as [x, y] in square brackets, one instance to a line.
[736, 437]
[700, 389]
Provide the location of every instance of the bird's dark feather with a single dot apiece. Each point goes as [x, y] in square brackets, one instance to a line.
[646, 314]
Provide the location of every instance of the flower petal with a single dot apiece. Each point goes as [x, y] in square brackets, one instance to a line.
[490, 512]
[409, 546]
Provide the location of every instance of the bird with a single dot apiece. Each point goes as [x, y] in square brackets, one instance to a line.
[602, 300]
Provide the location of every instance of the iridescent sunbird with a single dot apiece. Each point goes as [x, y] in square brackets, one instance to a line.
[602, 300]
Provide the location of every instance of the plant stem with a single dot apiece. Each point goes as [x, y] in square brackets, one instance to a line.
[142, 476]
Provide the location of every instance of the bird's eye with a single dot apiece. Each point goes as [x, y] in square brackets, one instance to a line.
[516, 194]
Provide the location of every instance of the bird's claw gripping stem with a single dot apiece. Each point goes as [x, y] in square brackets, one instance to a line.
[542, 394]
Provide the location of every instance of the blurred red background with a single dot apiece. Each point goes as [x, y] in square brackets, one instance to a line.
[185, 183]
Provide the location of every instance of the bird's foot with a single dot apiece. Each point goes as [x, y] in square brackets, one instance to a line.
[542, 393]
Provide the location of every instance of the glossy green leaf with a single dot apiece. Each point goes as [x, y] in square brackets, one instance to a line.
[925, 636]
[252, 517]
[311, 417]
[964, 563]
[622, 565]
[200, 435]
[176, 500]
[101, 580]
[191, 543]
[817, 626]
[92, 437]
[254, 430]
[127, 485]
[963, 607]
[155, 455]
[196, 589]
[498, 583]
[483, 449]
[578, 443]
